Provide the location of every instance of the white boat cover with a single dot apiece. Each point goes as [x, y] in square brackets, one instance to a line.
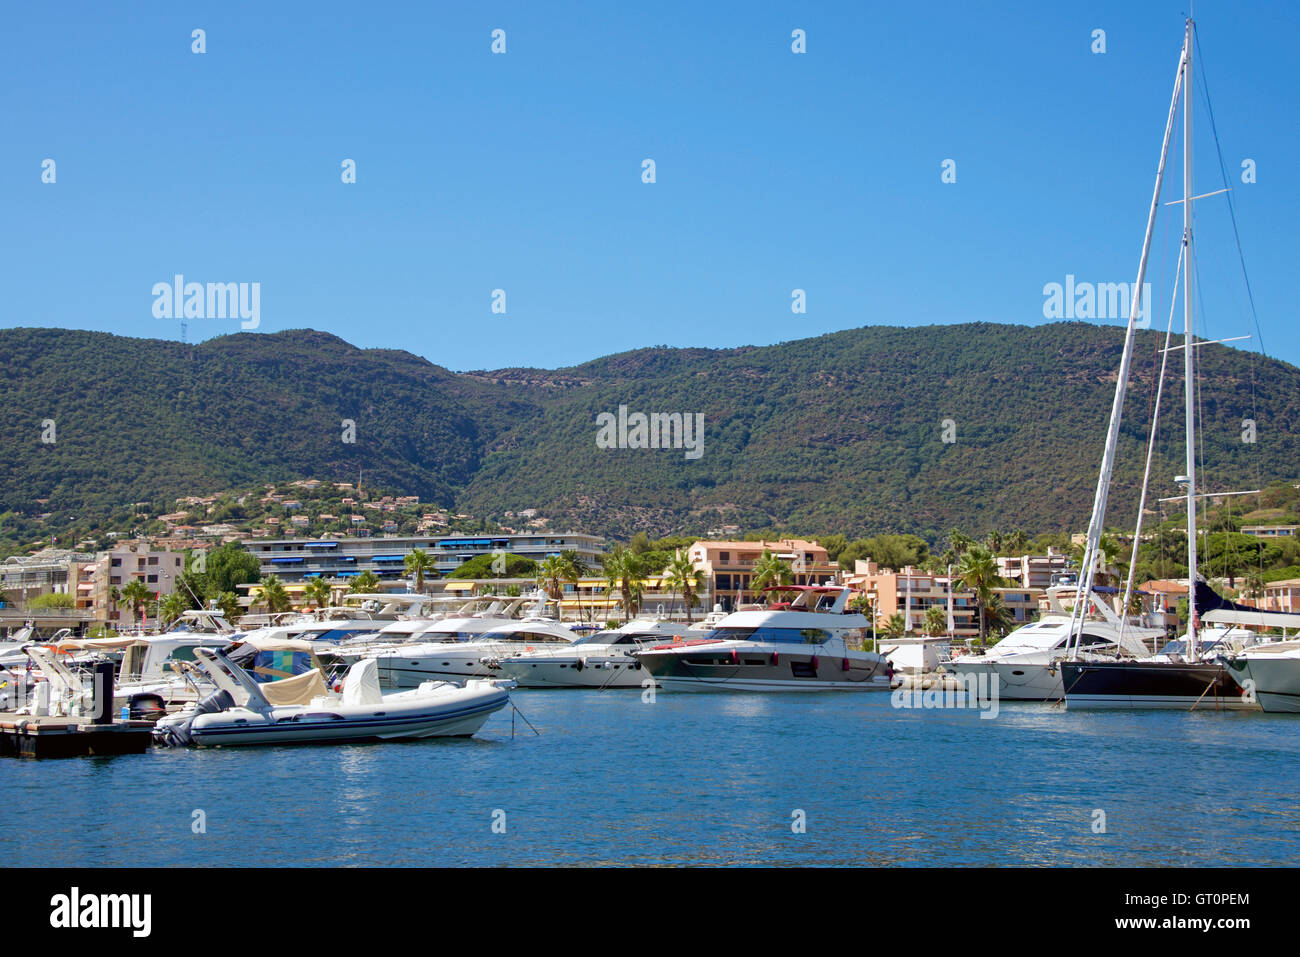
[299, 689]
[361, 685]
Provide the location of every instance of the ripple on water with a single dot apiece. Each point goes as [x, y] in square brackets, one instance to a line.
[712, 779]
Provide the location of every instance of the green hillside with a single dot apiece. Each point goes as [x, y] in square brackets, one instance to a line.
[838, 433]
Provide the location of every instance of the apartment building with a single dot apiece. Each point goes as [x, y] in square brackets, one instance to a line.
[728, 566]
[293, 559]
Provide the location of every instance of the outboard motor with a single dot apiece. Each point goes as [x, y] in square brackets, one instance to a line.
[146, 706]
[174, 731]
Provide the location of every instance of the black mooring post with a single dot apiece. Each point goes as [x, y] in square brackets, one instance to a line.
[102, 708]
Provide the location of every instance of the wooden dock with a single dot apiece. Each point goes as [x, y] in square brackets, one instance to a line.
[24, 736]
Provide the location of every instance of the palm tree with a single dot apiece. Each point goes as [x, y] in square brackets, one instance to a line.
[1017, 542]
[365, 583]
[274, 595]
[228, 602]
[417, 563]
[683, 577]
[170, 608]
[551, 572]
[958, 543]
[936, 620]
[575, 569]
[1107, 556]
[318, 592]
[769, 569]
[995, 542]
[895, 627]
[135, 594]
[1001, 618]
[625, 571]
[978, 571]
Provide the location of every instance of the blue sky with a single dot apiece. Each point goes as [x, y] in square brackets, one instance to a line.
[522, 171]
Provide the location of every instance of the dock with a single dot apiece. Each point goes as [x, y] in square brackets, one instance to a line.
[25, 736]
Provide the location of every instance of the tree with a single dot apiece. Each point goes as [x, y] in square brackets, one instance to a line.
[770, 569]
[978, 571]
[228, 566]
[364, 584]
[480, 566]
[1000, 617]
[171, 608]
[551, 573]
[228, 602]
[318, 592]
[936, 620]
[136, 594]
[834, 544]
[575, 569]
[625, 573]
[683, 578]
[417, 563]
[895, 627]
[274, 595]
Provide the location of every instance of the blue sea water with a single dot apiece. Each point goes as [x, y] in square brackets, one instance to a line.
[714, 779]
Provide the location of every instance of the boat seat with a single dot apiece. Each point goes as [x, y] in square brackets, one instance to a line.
[361, 684]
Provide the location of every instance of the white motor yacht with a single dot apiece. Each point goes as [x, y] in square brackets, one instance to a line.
[809, 644]
[461, 649]
[603, 660]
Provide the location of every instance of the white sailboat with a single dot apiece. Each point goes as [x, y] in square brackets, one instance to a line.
[1174, 680]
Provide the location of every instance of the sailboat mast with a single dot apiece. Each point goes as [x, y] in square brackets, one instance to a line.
[1189, 350]
[1083, 592]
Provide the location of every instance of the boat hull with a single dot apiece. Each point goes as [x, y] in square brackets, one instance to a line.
[1016, 681]
[329, 726]
[1275, 681]
[560, 673]
[755, 670]
[1151, 684]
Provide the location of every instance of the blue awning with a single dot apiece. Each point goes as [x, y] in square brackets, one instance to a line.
[388, 558]
[321, 544]
[286, 561]
[348, 574]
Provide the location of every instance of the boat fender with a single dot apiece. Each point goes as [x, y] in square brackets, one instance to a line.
[776, 657]
[813, 662]
[577, 665]
[735, 656]
[844, 664]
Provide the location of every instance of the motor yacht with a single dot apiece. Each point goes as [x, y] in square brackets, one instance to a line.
[808, 644]
[458, 650]
[605, 659]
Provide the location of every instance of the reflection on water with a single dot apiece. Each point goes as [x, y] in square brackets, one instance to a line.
[711, 779]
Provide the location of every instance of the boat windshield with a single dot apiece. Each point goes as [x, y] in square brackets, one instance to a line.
[530, 637]
[794, 636]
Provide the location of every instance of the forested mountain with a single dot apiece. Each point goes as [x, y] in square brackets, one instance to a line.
[844, 432]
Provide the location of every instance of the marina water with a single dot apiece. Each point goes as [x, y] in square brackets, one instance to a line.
[693, 779]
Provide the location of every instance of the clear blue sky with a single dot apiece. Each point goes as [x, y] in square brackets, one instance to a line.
[523, 171]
